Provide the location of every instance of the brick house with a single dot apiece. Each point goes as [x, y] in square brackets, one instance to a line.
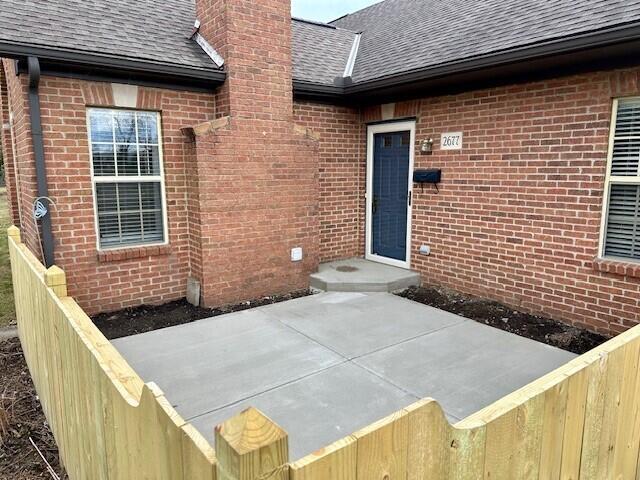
[159, 155]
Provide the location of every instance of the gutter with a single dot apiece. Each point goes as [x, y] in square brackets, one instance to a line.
[41, 170]
[304, 89]
[108, 67]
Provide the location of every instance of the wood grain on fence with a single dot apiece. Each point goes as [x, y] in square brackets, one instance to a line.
[106, 421]
[581, 421]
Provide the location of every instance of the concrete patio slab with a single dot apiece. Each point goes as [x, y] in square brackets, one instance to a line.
[210, 364]
[321, 408]
[465, 367]
[359, 324]
[360, 275]
[327, 365]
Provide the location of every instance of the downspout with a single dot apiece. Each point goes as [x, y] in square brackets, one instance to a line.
[38, 151]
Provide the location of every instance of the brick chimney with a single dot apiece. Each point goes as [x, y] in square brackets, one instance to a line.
[254, 38]
[253, 178]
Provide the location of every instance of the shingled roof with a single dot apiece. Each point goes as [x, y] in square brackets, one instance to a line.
[398, 36]
[148, 30]
[320, 52]
[404, 35]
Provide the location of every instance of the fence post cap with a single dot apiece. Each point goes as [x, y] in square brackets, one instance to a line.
[249, 431]
[55, 278]
[54, 272]
[250, 445]
[14, 232]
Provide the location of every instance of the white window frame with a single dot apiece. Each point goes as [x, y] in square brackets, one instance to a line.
[610, 180]
[96, 179]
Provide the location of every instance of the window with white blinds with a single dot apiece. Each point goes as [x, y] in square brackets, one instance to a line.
[128, 180]
[621, 232]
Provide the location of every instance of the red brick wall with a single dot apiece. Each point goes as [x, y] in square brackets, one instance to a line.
[238, 199]
[257, 201]
[342, 173]
[257, 178]
[518, 215]
[6, 139]
[24, 164]
[113, 279]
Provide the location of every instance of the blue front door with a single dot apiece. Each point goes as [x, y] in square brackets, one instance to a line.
[390, 194]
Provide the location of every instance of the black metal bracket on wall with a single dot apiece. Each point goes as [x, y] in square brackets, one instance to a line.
[38, 151]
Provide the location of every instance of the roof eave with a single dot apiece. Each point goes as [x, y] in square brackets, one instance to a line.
[105, 67]
[600, 40]
[552, 48]
[315, 91]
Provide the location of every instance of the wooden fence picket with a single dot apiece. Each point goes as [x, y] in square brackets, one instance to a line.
[581, 421]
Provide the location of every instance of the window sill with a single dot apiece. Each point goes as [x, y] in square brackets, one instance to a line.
[617, 267]
[120, 254]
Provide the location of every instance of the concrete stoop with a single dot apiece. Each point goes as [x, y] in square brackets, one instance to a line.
[360, 275]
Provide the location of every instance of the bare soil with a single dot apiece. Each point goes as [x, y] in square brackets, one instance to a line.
[22, 419]
[146, 318]
[541, 329]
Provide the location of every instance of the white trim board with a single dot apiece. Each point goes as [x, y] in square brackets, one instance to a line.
[371, 131]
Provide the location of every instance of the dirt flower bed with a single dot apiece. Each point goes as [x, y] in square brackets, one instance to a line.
[551, 332]
[22, 421]
[146, 318]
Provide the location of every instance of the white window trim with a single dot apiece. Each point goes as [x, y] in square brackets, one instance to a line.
[133, 179]
[389, 127]
[608, 181]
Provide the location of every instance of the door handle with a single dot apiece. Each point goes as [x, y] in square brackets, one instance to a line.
[374, 204]
[410, 196]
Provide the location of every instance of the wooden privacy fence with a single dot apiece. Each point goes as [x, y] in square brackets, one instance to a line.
[107, 422]
[581, 421]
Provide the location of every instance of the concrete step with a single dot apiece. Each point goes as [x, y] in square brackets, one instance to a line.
[360, 275]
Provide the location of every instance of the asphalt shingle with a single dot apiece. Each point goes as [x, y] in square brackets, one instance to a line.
[151, 30]
[398, 36]
[404, 35]
[320, 52]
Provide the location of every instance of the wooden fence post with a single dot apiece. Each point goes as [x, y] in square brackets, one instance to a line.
[250, 446]
[56, 279]
[13, 232]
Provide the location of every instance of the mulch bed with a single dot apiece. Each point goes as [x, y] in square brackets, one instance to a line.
[551, 332]
[146, 318]
[22, 419]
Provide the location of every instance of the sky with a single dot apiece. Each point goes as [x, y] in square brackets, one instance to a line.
[326, 10]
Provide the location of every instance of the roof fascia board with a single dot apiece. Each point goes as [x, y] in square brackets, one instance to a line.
[315, 90]
[143, 79]
[92, 60]
[622, 55]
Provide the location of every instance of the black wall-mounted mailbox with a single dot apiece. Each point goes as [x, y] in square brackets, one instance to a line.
[429, 175]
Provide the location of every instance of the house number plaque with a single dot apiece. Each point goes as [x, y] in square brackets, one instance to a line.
[451, 141]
